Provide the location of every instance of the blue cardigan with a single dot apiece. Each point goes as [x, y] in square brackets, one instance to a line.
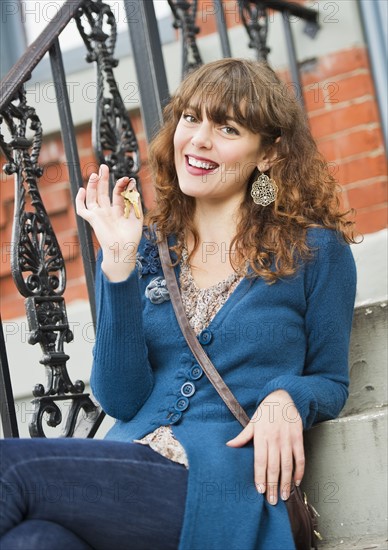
[291, 335]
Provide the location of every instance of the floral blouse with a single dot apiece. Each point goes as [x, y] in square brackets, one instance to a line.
[201, 306]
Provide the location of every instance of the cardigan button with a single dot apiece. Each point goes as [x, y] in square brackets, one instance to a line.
[175, 417]
[195, 372]
[187, 389]
[205, 337]
[181, 404]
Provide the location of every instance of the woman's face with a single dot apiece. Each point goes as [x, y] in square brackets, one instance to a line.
[214, 161]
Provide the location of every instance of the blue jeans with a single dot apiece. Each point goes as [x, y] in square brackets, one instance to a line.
[88, 494]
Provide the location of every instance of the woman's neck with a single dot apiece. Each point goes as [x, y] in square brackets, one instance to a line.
[216, 223]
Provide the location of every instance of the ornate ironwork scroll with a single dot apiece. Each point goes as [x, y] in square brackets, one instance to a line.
[38, 270]
[255, 19]
[114, 139]
[184, 18]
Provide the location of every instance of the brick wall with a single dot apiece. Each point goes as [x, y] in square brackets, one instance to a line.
[342, 110]
[344, 119]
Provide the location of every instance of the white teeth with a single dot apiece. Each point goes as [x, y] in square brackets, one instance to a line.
[199, 164]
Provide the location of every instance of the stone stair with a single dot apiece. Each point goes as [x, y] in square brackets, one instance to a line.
[346, 477]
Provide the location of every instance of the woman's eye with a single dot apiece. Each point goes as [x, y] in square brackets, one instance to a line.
[230, 131]
[188, 118]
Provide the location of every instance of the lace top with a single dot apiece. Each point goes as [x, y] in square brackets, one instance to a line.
[201, 306]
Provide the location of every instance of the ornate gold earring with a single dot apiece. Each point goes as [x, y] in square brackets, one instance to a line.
[264, 190]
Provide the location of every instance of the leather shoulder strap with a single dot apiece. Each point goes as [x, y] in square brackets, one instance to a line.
[196, 348]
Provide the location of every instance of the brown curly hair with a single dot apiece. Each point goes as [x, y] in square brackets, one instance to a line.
[271, 238]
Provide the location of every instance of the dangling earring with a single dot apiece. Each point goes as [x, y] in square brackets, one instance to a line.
[264, 190]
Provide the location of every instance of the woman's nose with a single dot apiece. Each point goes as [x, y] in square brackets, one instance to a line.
[202, 136]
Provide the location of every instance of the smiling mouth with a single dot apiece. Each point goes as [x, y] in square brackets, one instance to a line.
[201, 164]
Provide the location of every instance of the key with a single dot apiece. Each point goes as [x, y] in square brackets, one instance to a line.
[131, 197]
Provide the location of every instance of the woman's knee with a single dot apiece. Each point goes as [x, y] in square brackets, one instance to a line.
[37, 534]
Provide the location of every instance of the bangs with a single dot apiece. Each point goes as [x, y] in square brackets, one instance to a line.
[223, 96]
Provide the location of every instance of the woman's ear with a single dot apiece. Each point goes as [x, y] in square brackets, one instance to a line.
[269, 157]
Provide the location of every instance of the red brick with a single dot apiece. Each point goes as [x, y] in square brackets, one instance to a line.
[6, 234]
[149, 197]
[12, 306]
[143, 148]
[343, 118]
[8, 289]
[313, 98]
[5, 264]
[206, 16]
[366, 195]
[89, 165]
[76, 291]
[61, 223]
[351, 144]
[52, 150]
[206, 20]
[7, 185]
[137, 123]
[6, 212]
[84, 138]
[334, 64]
[337, 90]
[232, 14]
[328, 148]
[360, 169]
[370, 220]
[348, 88]
[53, 173]
[74, 269]
[56, 199]
[359, 142]
[68, 241]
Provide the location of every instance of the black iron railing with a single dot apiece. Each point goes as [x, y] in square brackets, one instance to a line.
[38, 266]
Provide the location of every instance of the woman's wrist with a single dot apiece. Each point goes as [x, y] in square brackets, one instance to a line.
[116, 271]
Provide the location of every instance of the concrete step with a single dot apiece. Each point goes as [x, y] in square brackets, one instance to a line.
[362, 543]
[346, 476]
[368, 360]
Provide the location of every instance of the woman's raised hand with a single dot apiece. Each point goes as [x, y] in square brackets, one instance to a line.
[277, 432]
[119, 236]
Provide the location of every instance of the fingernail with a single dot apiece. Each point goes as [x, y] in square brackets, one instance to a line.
[260, 488]
[284, 496]
[272, 499]
[100, 170]
[298, 482]
[93, 176]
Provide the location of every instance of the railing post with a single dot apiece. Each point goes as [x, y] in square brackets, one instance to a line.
[147, 53]
[72, 157]
[7, 412]
[292, 57]
[222, 29]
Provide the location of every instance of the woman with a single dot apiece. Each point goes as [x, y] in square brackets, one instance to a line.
[267, 280]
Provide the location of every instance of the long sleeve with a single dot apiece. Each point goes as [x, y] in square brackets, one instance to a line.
[320, 392]
[122, 377]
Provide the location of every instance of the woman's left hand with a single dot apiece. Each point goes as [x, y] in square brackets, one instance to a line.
[277, 432]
